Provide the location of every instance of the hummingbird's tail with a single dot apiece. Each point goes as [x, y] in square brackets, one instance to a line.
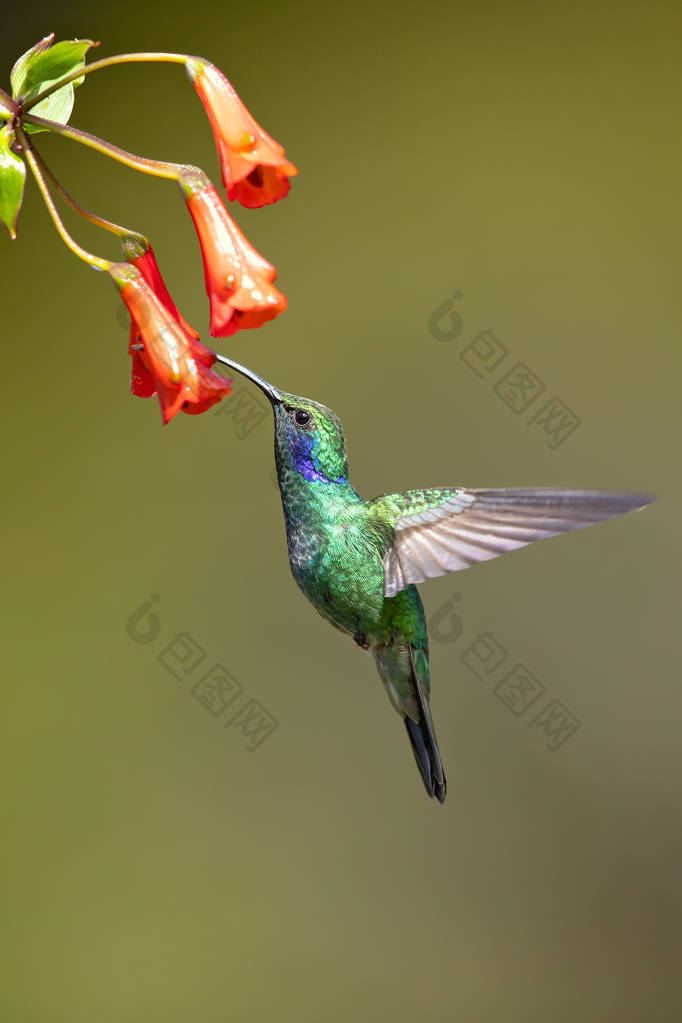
[428, 759]
[421, 734]
[404, 670]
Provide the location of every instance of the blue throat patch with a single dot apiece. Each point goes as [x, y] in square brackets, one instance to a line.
[308, 466]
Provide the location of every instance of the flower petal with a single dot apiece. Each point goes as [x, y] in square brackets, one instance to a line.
[170, 364]
[239, 281]
[254, 168]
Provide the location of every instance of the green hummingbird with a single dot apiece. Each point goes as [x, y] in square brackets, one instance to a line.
[357, 561]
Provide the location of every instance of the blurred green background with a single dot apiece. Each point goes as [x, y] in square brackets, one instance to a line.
[526, 156]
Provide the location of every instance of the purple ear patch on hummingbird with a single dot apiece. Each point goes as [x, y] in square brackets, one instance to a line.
[307, 464]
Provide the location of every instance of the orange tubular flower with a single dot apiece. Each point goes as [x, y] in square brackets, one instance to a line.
[254, 168]
[170, 363]
[238, 279]
[144, 259]
[141, 380]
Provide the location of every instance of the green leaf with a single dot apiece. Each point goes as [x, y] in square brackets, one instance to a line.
[43, 66]
[12, 179]
[19, 70]
[56, 107]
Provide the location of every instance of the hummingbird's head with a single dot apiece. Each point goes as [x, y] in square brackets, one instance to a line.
[308, 436]
[309, 439]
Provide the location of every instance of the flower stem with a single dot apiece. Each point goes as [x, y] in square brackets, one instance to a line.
[119, 58]
[107, 225]
[159, 168]
[88, 257]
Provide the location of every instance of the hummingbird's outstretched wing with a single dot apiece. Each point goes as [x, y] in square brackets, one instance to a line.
[439, 531]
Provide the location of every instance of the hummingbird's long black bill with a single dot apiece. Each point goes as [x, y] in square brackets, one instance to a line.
[271, 392]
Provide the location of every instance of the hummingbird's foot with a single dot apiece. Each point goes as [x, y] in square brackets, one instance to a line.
[361, 639]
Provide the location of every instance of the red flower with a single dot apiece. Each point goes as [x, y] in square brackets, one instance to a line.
[141, 380]
[254, 168]
[238, 279]
[170, 363]
[144, 259]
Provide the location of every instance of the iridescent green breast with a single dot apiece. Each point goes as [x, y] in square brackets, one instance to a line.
[336, 550]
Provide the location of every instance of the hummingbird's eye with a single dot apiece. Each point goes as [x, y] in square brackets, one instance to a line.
[302, 417]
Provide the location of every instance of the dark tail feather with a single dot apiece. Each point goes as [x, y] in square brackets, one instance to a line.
[427, 757]
[423, 741]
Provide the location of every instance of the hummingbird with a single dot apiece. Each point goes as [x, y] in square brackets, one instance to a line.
[358, 561]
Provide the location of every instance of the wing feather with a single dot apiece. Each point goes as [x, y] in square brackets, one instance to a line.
[464, 527]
